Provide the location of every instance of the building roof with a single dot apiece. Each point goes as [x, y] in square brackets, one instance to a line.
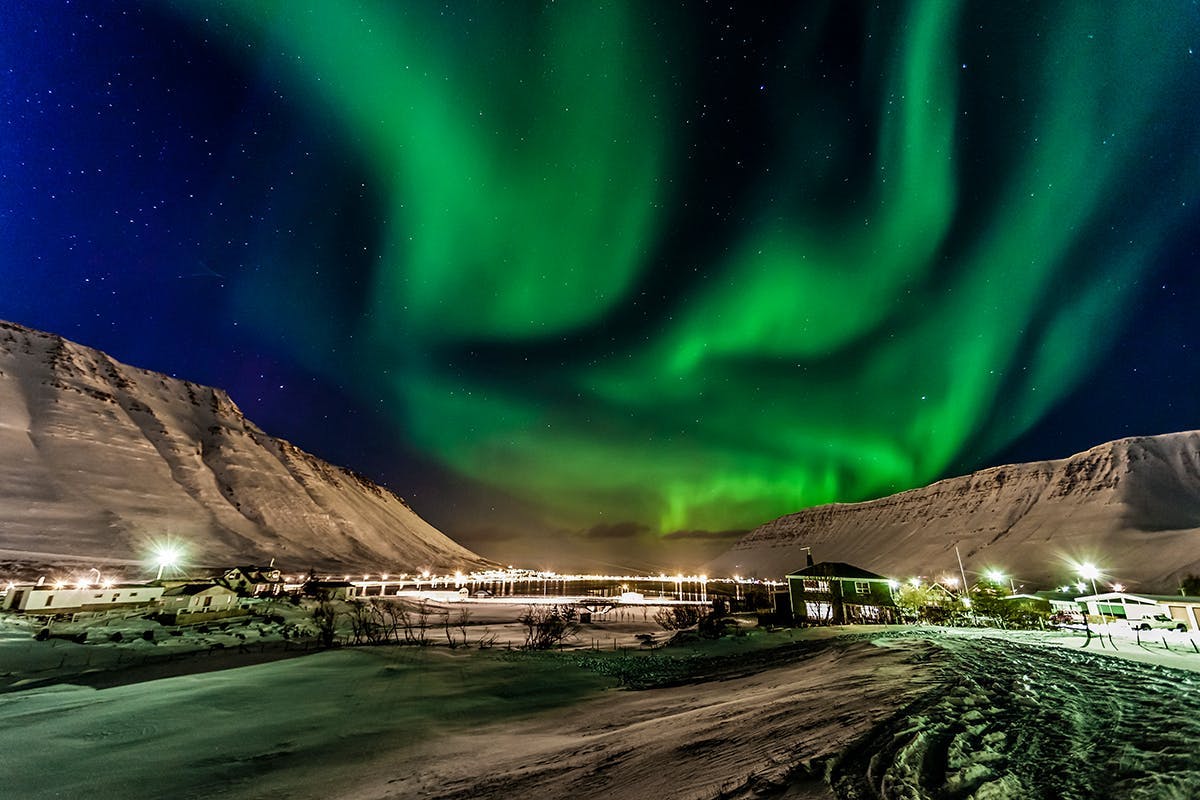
[1053, 594]
[836, 569]
[1157, 598]
[258, 574]
[189, 589]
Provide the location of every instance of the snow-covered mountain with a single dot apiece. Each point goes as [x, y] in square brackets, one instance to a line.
[1132, 507]
[102, 460]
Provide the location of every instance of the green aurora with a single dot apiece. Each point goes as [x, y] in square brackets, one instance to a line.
[921, 265]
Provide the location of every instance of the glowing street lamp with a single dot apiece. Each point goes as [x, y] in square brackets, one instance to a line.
[1091, 572]
[998, 577]
[164, 557]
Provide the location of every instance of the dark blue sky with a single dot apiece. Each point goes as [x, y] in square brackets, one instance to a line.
[211, 196]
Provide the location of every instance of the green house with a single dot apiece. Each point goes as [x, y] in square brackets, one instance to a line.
[833, 593]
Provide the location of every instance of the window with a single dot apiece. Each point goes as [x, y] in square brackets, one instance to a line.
[864, 613]
[816, 586]
[116, 595]
[862, 587]
[818, 611]
[98, 596]
[49, 599]
[208, 601]
[133, 594]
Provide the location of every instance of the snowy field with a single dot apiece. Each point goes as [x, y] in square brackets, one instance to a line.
[823, 713]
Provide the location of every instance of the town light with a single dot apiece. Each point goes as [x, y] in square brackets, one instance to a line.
[165, 556]
[1091, 572]
[997, 577]
[914, 583]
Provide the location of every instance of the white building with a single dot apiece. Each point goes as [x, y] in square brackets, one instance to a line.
[193, 598]
[59, 599]
[1123, 605]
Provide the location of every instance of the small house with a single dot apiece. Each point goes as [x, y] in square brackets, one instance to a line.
[61, 599]
[253, 581]
[1123, 605]
[197, 602]
[1060, 602]
[1120, 605]
[834, 593]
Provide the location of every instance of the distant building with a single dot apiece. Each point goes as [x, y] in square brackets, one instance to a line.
[1057, 602]
[833, 593]
[253, 581]
[198, 602]
[1123, 605]
[58, 599]
[331, 590]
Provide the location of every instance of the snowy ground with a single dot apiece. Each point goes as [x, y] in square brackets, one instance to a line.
[848, 713]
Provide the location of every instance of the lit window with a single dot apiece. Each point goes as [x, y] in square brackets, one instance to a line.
[816, 586]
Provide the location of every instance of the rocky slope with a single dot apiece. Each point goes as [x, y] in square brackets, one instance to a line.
[102, 460]
[1131, 506]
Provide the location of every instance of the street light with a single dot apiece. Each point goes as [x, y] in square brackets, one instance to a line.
[1091, 572]
[998, 577]
[164, 557]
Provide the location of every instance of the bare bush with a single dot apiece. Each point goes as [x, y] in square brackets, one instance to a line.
[548, 626]
[464, 619]
[325, 617]
[367, 623]
[676, 618]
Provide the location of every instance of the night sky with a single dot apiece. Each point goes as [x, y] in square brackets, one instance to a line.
[593, 283]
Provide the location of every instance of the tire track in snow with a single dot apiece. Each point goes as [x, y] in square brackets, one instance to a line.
[1009, 720]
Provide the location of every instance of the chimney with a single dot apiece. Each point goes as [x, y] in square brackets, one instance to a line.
[808, 550]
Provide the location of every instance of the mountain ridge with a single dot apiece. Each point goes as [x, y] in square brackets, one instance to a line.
[101, 458]
[1131, 505]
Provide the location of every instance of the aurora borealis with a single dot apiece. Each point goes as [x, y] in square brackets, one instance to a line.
[568, 273]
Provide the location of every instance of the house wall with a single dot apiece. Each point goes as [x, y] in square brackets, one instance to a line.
[48, 599]
[834, 601]
[218, 600]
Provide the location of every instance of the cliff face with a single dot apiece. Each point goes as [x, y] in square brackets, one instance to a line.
[98, 459]
[1131, 506]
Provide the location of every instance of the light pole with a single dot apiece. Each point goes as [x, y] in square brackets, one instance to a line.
[165, 557]
[1090, 572]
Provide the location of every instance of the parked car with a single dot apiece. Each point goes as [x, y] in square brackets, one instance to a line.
[1157, 622]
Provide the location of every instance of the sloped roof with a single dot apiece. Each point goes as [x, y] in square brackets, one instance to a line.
[836, 569]
[188, 589]
[257, 574]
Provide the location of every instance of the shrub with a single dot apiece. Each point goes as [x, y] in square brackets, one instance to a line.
[676, 618]
[547, 626]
